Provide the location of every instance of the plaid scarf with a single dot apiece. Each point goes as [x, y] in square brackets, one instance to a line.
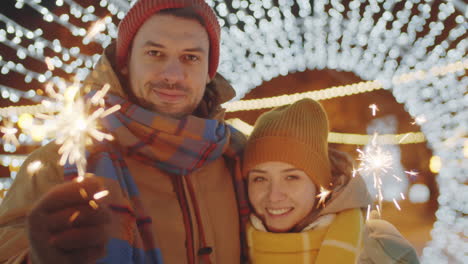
[178, 147]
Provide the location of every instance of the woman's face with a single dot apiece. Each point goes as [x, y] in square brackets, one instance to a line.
[281, 194]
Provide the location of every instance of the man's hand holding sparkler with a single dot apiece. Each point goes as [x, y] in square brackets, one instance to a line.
[70, 224]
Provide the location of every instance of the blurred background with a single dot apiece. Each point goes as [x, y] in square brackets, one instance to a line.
[395, 68]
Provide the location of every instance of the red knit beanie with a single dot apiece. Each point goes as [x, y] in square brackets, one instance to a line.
[144, 9]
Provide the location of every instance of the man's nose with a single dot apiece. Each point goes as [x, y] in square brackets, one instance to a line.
[173, 72]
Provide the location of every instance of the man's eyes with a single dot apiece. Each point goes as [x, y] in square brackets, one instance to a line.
[154, 53]
[192, 58]
[187, 58]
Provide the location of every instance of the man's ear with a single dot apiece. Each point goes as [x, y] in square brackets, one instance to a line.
[208, 79]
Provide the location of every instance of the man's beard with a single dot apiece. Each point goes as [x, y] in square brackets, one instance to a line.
[157, 108]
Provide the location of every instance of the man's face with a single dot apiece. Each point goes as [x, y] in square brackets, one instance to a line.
[168, 65]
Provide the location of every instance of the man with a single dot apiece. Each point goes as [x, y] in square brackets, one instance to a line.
[171, 195]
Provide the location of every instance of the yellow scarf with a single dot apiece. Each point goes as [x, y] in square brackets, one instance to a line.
[338, 243]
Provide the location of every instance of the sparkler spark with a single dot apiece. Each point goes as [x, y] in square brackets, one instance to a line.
[374, 109]
[378, 209]
[412, 174]
[100, 194]
[93, 204]
[83, 193]
[397, 178]
[74, 216]
[396, 204]
[73, 128]
[34, 167]
[419, 120]
[322, 195]
[9, 134]
[403, 138]
[96, 28]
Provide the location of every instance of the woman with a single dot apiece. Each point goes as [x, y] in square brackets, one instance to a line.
[307, 206]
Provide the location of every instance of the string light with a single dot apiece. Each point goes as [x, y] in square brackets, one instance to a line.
[29, 109]
[7, 160]
[324, 94]
[347, 138]
[340, 91]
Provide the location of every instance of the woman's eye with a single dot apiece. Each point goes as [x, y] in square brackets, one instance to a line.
[258, 179]
[292, 177]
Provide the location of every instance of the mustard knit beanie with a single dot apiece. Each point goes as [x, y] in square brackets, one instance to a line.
[296, 134]
[144, 9]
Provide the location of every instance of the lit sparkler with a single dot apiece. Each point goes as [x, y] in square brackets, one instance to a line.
[322, 195]
[375, 162]
[9, 134]
[73, 128]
